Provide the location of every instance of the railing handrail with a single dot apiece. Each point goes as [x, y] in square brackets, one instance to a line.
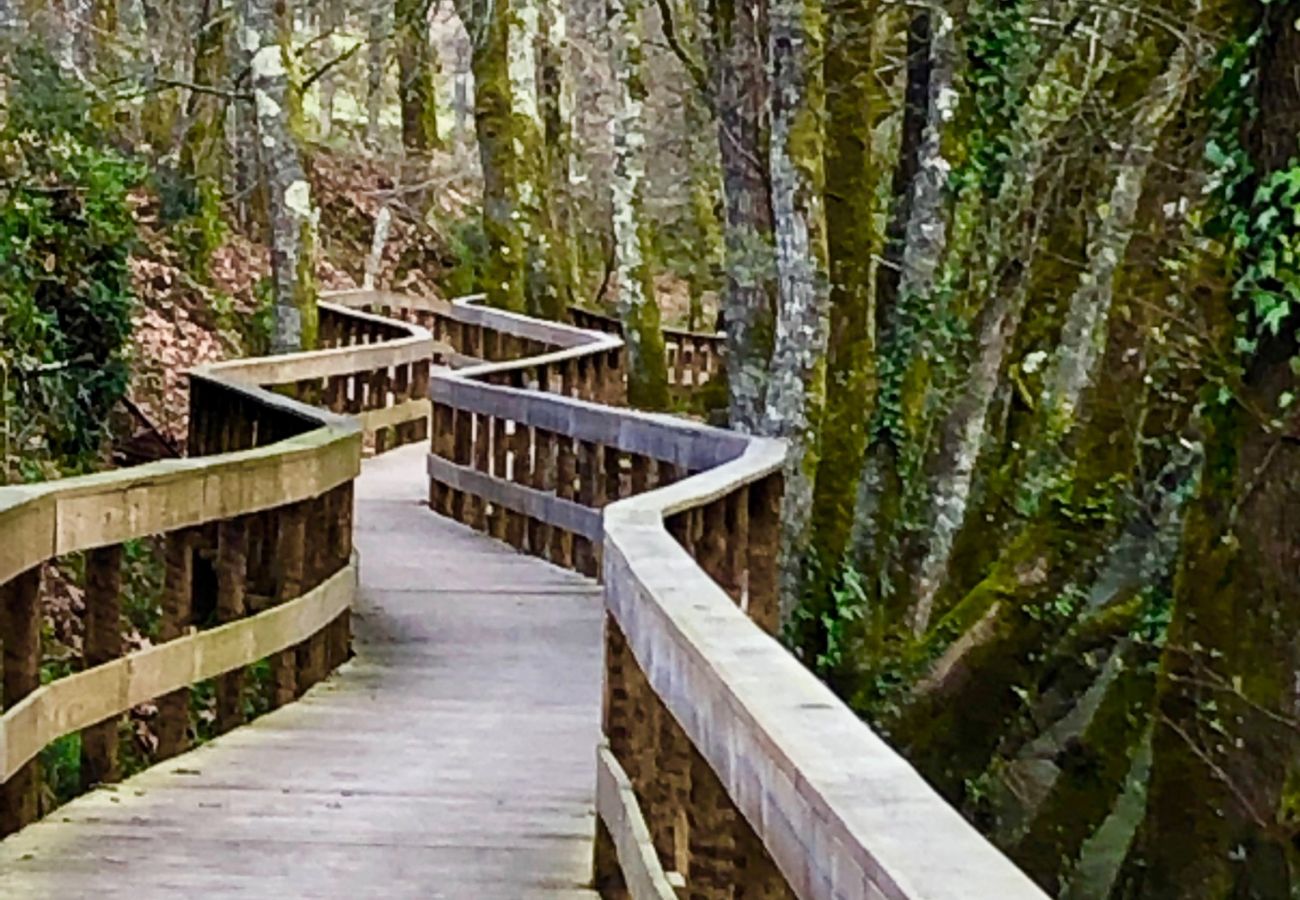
[41, 522]
[839, 811]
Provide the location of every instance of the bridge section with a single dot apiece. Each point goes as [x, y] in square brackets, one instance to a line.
[462, 746]
[451, 758]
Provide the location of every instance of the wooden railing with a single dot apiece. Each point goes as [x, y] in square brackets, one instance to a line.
[728, 770]
[693, 358]
[257, 535]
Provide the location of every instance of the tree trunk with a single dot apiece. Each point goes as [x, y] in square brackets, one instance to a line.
[494, 122]
[293, 219]
[1225, 777]
[797, 389]
[638, 307]
[379, 27]
[417, 76]
[739, 79]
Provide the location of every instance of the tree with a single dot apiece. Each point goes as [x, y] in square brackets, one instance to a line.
[293, 218]
[637, 307]
[797, 389]
[417, 76]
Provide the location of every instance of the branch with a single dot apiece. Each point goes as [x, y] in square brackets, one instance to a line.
[341, 58]
[693, 68]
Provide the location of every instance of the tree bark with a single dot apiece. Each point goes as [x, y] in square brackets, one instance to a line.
[293, 218]
[417, 76]
[638, 308]
[737, 72]
[797, 389]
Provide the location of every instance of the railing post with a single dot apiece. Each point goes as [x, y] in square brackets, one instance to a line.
[711, 835]
[764, 605]
[339, 639]
[312, 653]
[102, 643]
[290, 571]
[232, 591]
[20, 795]
[173, 721]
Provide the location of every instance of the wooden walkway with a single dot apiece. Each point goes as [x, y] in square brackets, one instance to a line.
[453, 758]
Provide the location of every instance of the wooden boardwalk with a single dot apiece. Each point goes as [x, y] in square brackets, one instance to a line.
[453, 758]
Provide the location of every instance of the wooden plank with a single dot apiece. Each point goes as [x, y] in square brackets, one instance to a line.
[72, 703]
[449, 758]
[540, 505]
[617, 806]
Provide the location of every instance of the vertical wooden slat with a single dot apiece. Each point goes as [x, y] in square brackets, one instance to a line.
[172, 724]
[763, 604]
[736, 570]
[521, 473]
[711, 827]
[20, 617]
[339, 640]
[544, 472]
[312, 653]
[232, 603]
[290, 571]
[565, 475]
[500, 456]
[482, 463]
[102, 643]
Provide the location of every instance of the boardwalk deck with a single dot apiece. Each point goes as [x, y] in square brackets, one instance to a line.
[453, 758]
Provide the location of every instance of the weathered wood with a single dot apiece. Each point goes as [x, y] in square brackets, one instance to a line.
[102, 644]
[764, 605]
[172, 724]
[20, 619]
[635, 866]
[290, 576]
[71, 704]
[232, 590]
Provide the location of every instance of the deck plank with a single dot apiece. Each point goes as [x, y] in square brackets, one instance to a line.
[453, 758]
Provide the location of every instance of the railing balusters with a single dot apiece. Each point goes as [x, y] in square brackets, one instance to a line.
[102, 643]
[173, 719]
[233, 569]
[290, 572]
[20, 619]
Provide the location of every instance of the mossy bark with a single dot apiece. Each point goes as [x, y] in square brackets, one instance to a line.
[637, 306]
[503, 275]
[417, 67]
[796, 394]
[1224, 771]
[292, 216]
[737, 73]
[856, 105]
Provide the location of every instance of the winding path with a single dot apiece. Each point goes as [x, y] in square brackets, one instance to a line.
[451, 758]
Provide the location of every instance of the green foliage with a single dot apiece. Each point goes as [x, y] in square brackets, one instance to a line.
[1256, 217]
[66, 232]
[192, 214]
[822, 626]
[61, 769]
[469, 263]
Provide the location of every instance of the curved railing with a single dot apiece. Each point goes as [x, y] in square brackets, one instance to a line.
[693, 358]
[257, 530]
[728, 769]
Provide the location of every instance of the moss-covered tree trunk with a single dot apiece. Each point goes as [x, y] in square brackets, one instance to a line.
[379, 28]
[856, 103]
[503, 274]
[202, 148]
[417, 67]
[737, 72]
[638, 307]
[293, 218]
[796, 394]
[1223, 813]
[557, 245]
